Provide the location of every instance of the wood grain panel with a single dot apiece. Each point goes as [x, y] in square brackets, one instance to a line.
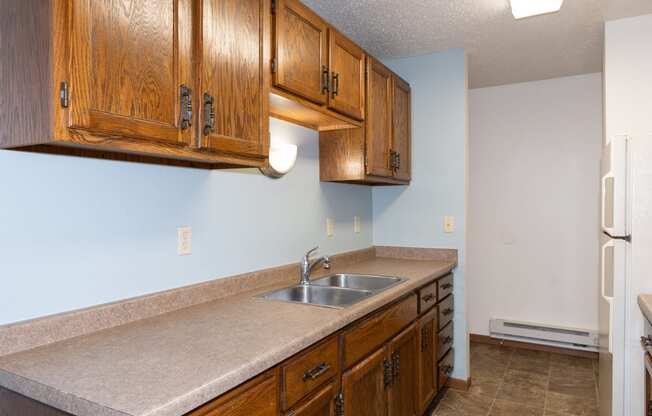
[321, 404]
[287, 107]
[427, 362]
[366, 336]
[341, 155]
[445, 369]
[235, 71]
[293, 374]
[444, 286]
[257, 397]
[402, 397]
[13, 404]
[363, 387]
[125, 68]
[445, 340]
[379, 118]
[26, 114]
[300, 50]
[401, 127]
[427, 297]
[446, 311]
[347, 67]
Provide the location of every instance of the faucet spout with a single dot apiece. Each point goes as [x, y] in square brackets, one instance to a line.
[307, 266]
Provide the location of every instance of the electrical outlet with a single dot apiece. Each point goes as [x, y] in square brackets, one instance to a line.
[184, 241]
[329, 227]
[449, 224]
[356, 224]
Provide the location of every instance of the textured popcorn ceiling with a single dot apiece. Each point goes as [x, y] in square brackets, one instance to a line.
[501, 50]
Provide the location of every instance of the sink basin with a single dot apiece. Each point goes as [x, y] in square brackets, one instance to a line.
[332, 297]
[359, 281]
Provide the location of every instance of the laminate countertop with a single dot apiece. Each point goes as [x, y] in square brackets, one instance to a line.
[645, 303]
[172, 363]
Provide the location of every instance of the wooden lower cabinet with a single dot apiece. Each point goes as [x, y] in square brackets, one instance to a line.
[322, 403]
[403, 357]
[258, 397]
[427, 365]
[364, 386]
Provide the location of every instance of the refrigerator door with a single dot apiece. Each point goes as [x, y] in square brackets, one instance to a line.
[615, 172]
[613, 276]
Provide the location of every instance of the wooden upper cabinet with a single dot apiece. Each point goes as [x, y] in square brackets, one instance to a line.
[378, 131]
[300, 51]
[403, 358]
[347, 67]
[234, 99]
[127, 62]
[401, 128]
[364, 386]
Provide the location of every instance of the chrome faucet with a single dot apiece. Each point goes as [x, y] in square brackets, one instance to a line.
[307, 265]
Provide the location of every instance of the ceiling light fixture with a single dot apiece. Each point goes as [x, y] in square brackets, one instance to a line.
[528, 8]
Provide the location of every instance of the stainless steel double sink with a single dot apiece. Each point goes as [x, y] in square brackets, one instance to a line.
[335, 291]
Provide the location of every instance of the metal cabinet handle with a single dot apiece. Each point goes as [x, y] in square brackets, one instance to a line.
[336, 84]
[186, 107]
[316, 372]
[646, 341]
[447, 311]
[396, 365]
[447, 286]
[447, 369]
[428, 298]
[387, 373]
[325, 87]
[209, 114]
[447, 340]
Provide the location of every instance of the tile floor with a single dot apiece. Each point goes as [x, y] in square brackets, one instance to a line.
[515, 382]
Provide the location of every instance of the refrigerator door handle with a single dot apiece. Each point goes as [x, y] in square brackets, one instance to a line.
[608, 299]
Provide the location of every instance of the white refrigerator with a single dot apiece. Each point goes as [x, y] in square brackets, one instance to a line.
[614, 273]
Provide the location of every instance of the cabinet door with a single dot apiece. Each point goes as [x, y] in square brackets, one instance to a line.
[401, 131]
[321, 404]
[404, 358]
[378, 126]
[258, 397]
[234, 76]
[427, 366]
[128, 61]
[300, 51]
[363, 386]
[347, 66]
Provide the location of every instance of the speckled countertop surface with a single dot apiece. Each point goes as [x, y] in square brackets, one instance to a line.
[170, 364]
[645, 303]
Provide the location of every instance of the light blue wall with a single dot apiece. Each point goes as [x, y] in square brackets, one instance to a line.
[78, 232]
[413, 215]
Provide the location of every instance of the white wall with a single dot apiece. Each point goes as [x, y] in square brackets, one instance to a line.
[628, 110]
[533, 202]
[413, 215]
[77, 232]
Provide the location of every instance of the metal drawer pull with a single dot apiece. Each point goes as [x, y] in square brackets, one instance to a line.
[316, 372]
[646, 341]
[447, 369]
[428, 298]
[447, 286]
[447, 340]
[447, 311]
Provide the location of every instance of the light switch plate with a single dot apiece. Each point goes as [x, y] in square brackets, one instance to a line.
[356, 224]
[184, 241]
[449, 224]
[329, 227]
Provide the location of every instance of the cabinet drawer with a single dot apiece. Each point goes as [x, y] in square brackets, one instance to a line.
[427, 297]
[444, 287]
[368, 335]
[257, 397]
[304, 373]
[445, 340]
[445, 368]
[446, 312]
[321, 403]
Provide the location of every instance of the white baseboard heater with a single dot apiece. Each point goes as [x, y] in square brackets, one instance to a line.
[574, 338]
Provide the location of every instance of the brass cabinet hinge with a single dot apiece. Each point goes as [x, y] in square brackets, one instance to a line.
[186, 107]
[64, 99]
[388, 373]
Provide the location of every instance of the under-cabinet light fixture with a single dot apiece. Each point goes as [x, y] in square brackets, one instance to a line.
[282, 157]
[528, 8]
